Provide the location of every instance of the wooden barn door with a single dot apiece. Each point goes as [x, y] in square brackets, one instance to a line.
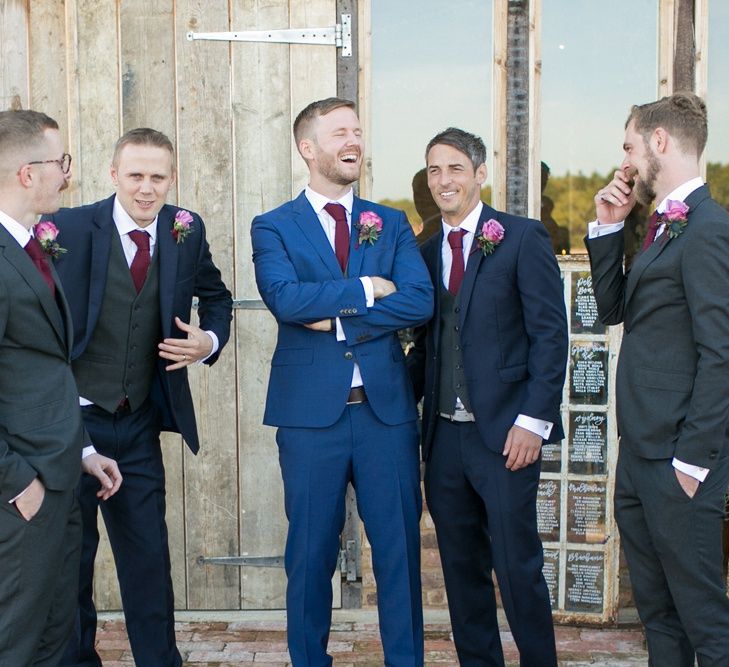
[101, 67]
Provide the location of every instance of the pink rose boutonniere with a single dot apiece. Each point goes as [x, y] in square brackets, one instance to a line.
[675, 217]
[182, 225]
[369, 227]
[491, 234]
[45, 233]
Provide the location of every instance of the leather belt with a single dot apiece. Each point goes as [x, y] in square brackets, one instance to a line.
[357, 395]
[459, 416]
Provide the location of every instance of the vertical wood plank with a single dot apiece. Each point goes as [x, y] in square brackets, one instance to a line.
[263, 145]
[666, 27]
[313, 71]
[498, 132]
[147, 51]
[534, 179]
[14, 61]
[206, 186]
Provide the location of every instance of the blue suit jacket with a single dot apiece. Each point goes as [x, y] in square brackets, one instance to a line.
[185, 270]
[513, 332]
[301, 282]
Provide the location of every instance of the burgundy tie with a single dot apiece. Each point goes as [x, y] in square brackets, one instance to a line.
[650, 235]
[40, 259]
[142, 260]
[455, 240]
[341, 233]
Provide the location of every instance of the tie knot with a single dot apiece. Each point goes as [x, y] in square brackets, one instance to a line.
[141, 238]
[653, 221]
[455, 238]
[34, 249]
[337, 211]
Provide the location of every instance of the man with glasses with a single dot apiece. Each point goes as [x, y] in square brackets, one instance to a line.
[41, 433]
[132, 269]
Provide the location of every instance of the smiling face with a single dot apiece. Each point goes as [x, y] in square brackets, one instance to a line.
[333, 150]
[641, 164]
[143, 175]
[453, 182]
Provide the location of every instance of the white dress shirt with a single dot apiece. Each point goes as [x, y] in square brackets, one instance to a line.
[539, 427]
[329, 225]
[595, 230]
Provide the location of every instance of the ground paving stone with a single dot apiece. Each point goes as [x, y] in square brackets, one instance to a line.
[355, 643]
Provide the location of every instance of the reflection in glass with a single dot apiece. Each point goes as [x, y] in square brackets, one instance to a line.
[431, 69]
[595, 65]
[717, 100]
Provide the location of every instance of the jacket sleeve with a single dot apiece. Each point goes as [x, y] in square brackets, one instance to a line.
[608, 278]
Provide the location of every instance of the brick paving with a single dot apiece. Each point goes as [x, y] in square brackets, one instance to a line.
[248, 639]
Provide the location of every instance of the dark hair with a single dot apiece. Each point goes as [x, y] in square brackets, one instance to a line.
[143, 136]
[465, 142]
[312, 111]
[682, 115]
[23, 128]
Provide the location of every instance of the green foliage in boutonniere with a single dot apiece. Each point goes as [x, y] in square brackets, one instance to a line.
[45, 233]
[182, 225]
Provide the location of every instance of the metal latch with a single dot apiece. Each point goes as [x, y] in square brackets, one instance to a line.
[339, 35]
[250, 561]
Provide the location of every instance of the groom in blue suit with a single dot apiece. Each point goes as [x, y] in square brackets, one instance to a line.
[341, 275]
[132, 267]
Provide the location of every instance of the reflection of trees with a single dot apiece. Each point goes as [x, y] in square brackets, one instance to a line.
[574, 207]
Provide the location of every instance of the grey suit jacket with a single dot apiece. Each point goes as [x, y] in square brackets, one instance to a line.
[673, 370]
[41, 433]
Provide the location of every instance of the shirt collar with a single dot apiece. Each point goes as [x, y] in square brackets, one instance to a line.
[15, 229]
[469, 222]
[125, 224]
[681, 192]
[318, 202]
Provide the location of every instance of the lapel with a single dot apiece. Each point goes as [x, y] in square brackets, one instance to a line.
[433, 256]
[308, 223]
[356, 250]
[644, 259]
[16, 255]
[169, 252]
[103, 227]
[64, 309]
[475, 258]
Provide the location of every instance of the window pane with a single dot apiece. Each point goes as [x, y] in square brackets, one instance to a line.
[431, 69]
[717, 100]
[595, 65]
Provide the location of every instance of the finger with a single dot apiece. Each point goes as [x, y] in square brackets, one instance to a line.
[179, 345]
[176, 367]
[183, 326]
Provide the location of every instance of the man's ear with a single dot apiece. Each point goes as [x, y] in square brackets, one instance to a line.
[114, 175]
[481, 174]
[660, 138]
[25, 176]
[306, 149]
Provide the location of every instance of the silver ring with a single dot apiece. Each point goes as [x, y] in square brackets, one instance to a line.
[184, 357]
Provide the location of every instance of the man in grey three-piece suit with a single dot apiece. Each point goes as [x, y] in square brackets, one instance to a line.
[673, 380]
[41, 434]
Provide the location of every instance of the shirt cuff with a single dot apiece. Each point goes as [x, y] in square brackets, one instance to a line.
[369, 290]
[88, 451]
[537, 426]
[216, 346]
[595, 229]
[340, 330]
[696, 472]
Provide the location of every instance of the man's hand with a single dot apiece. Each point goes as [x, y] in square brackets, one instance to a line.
[522, 448]
[321, 325]
[616, 199]
[30, 502]
[690, 485]
[185, 351]
[382, 287]
[106, 471]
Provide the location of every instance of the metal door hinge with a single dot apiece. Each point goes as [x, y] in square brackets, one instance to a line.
[339, 35]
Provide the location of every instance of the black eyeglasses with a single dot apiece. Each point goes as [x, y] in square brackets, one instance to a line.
[64, 163]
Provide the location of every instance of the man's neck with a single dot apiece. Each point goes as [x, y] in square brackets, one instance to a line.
[677, 174]
[17, 212]
[331, 191]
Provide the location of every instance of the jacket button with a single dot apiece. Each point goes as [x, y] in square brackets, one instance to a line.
[348, 355]
[458, 309]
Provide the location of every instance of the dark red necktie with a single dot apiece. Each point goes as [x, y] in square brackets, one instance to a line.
[40, 259]
[650, 235]
[341, 233]
[455, 241]
[142, 259]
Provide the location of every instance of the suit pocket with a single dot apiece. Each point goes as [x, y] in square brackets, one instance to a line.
[514, 373]
[671, 381]
[23, 421]
[302, 356]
